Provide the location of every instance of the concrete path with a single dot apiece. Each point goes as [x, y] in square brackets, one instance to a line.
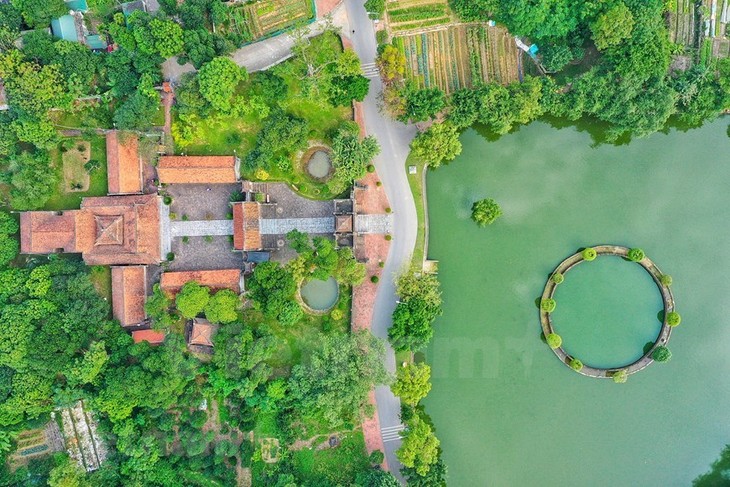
[201, 228]
[394, 139]
[374, 224]
[282, 226]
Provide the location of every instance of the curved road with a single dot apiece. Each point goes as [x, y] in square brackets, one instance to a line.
[394, 138]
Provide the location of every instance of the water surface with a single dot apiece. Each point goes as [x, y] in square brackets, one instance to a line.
[320, 295]
[507, 412]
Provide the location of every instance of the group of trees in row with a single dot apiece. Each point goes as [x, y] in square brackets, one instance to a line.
[629, 87]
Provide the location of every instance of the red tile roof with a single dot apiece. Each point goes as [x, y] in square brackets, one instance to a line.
[172, 282]
[202, 333]
[45, 232]
[151, 336]
[246, 218]
[124, 166]
[197, 169]
[343, 224]
[129, 292]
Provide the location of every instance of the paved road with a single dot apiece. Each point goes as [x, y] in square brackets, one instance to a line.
[394, 139]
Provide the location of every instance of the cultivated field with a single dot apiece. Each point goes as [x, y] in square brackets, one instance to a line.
[265, 17]
[406, 15]
[460, 56]
[682, 22]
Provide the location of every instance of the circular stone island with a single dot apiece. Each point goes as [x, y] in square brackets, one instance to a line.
[611, 345]
[319, 296]
[318, 163]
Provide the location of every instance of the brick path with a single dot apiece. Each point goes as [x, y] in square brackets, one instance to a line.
[201, 228]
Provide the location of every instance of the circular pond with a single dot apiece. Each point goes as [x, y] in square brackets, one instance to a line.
[319, 164]
[607, 312]
[320, 295]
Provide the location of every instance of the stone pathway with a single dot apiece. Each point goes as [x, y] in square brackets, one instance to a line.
[276, 226]
[201, 228]
[374, 223]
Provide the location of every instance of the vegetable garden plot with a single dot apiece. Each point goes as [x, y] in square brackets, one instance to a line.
[404, 15]
[460, 56]
[682, 23]
[261, 19]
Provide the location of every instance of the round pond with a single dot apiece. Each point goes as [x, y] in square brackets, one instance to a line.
[320, 295]
[319, 164]
[607, 311]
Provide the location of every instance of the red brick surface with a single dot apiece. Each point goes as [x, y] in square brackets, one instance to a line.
[326, 6]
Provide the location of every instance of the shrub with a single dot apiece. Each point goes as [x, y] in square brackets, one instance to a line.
[173, 216]
[589, 254]
[371, 168]
[167, 200]
[636, 255]
[184, 218]
[673, 318]
[661, 354]
[381, 264]
[92, 165]
[170, 256]
[554, 340]
[576, 364]
[665, 280]
[557, 278]
[389, 210]
[374, 279]
[185, 239]
[485, 211]
[388, 237]
[209, 238]
[381, 37]
[548, 305]
[378, 183]
[80, 147]
[620, 376]
[376, 457]
[337, 314]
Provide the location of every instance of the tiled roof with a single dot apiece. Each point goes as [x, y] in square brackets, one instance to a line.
[202, 333]
[151, 336]
[343, 224]
[246, 233]
[117, 230]
[124, 167]
[197, 169]
[44, 232]
[129, 292]
[172, 282]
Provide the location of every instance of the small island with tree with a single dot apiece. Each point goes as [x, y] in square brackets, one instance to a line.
[485, 212]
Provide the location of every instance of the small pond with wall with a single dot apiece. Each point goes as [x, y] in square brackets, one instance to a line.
[319, 163]
[506, 411]
[320, 295]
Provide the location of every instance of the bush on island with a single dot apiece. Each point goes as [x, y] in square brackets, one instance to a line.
[620, 376]
[673, 318]
[557, 278]
[576, 364]
[661, 354]
[548, 305]
[589, 254]
[666, 280]
[636, 255]
[554, 340]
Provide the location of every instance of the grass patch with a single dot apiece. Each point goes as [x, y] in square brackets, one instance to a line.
[415, 181]
[75, 177]
[89, 115]
[101, 278]
[66, 200]
[333, 466]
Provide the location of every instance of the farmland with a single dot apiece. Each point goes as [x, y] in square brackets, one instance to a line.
[682, 23]
[407, 15]
[460, 56]
[261, 19]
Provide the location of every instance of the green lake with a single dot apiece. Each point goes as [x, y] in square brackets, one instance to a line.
[507, 412]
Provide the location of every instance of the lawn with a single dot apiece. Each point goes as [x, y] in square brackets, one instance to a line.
[333, 466]
[67, 200]
[416, 183]
[101, 277]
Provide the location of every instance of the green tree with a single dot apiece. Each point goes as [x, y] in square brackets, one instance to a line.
[376, 478]
[350, 155]
[412, 383]
[620, 376]
[661, 354]
[8, 249]
[38, 13]
[636, 255]
[554, 340]
[137, 112]
[335, 382]
[548, 305]
[375, 8]
[439, 144]
[392, 63]
[673, 318]
[86, 370]
[222, 307]
[612, 26]
[422, 105]
[218, 80]
[68, 473]
[589, 254]
[346, 89]
[485, 211]
[192, 299]
[419, 305]
[576, 364]
[32, 183]
[419, 449]
[271, 287]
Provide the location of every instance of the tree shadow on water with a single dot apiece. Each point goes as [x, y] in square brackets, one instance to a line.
[719, 474]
